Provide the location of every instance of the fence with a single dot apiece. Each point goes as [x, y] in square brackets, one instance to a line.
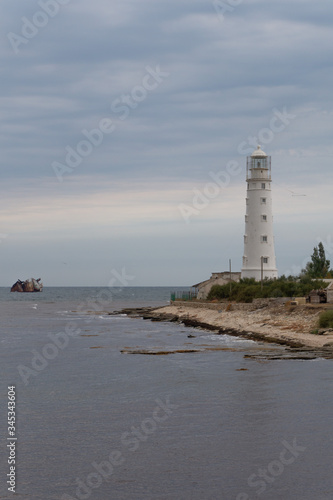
[184, 295]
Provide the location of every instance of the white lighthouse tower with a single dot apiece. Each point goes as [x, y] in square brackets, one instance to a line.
[259, 255]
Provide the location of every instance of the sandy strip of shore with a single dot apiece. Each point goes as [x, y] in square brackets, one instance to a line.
[269, 324]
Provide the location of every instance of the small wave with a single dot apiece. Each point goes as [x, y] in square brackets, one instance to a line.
[227, 339]
[115, 317]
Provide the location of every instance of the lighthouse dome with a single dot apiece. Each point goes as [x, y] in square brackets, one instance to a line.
[258, 153]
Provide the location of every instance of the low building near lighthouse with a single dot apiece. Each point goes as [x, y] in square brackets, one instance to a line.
[330, 292]
[203, 288]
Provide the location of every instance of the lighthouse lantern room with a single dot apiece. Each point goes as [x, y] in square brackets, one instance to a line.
[259, 254]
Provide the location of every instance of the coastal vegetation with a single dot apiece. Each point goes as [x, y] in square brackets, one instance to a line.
[310, 278]
[248, 289]
[319, 266]
[326, 319]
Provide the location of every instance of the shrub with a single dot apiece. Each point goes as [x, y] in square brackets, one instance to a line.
[247, 289]
[276, 293]
[326, 319]
[219, 292]
[247, 293]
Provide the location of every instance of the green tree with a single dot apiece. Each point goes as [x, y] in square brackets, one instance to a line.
[319, 265]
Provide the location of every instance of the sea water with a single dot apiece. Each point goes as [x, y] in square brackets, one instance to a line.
[98, 417]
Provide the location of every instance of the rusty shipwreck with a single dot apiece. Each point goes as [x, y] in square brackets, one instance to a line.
[29, 285]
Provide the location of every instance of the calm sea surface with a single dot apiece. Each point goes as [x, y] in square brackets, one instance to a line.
[95, 422]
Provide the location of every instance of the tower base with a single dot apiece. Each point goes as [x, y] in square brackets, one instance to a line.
[256, 273]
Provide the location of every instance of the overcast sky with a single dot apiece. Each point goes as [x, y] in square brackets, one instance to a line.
[125, 127]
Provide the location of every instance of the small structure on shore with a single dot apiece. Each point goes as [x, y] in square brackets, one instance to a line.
[204, 287]
[329, 291]
[318, 296]
[29, 285]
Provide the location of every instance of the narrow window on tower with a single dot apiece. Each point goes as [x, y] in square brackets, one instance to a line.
[265, 260]
[263, 185]
[263, 201]
[264, 218]
[264, 239]
[246, 218]
[245, 238]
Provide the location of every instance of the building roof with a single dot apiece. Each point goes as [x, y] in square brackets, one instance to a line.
[201, 283]
[258, 153]
[220, 275]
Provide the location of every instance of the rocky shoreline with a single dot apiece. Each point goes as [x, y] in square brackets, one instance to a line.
[271, 323]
